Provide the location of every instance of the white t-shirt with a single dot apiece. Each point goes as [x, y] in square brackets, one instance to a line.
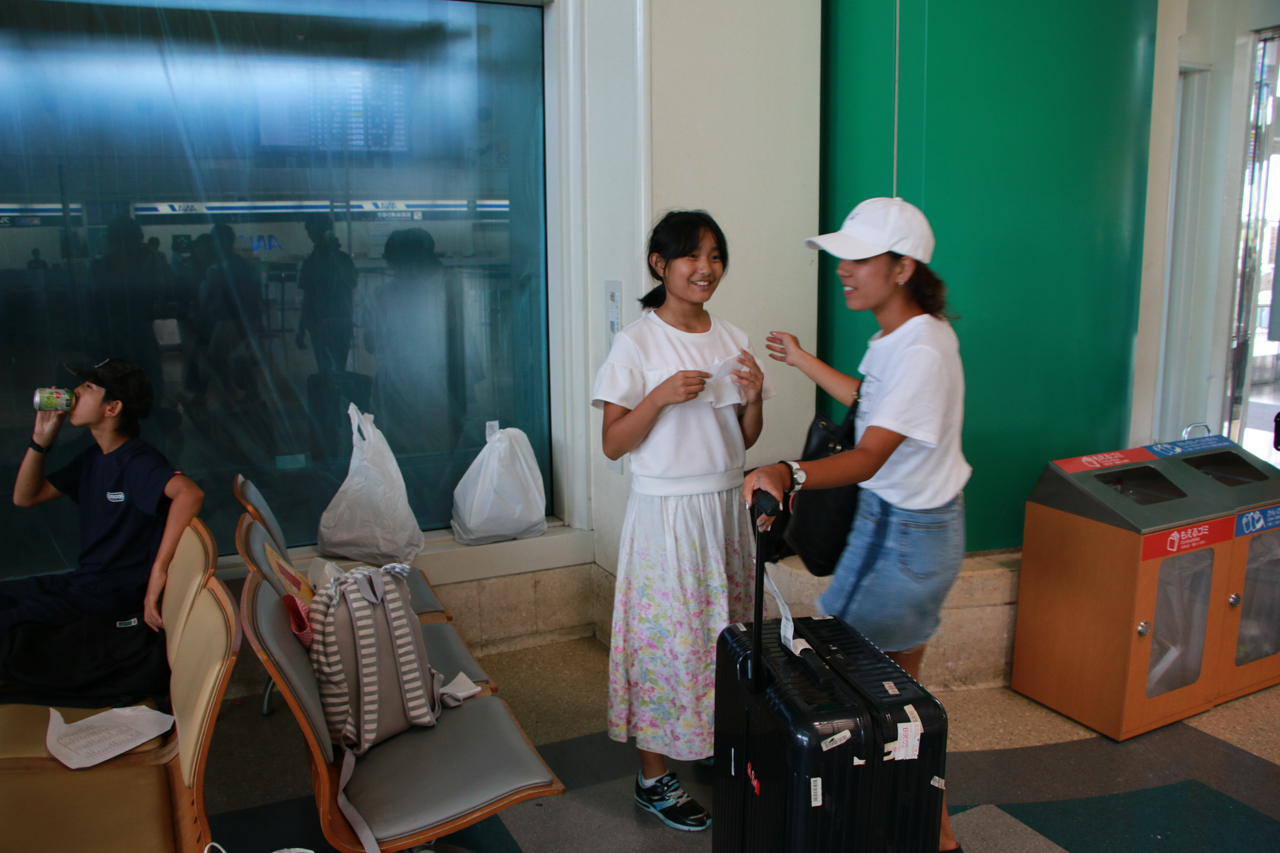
[914, 385]
[696, 446]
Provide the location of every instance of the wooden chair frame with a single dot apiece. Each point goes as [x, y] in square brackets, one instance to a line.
[190, 820]
[168, 748]
[325, 776]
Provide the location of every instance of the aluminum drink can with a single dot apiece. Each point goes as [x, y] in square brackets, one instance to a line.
[54, 399]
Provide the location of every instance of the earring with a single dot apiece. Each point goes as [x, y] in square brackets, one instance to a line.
[901, 283]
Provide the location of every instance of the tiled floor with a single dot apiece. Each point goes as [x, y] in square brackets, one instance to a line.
[1020, 776]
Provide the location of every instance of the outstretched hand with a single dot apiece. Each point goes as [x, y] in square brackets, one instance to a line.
[784, 347]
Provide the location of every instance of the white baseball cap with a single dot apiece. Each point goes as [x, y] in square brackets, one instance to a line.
[876, 226]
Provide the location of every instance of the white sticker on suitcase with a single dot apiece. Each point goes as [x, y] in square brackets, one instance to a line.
[815, 791]
[938, 783]
[835, 740]
[911, 713]
[908, 746]
[857, 761]
[891, 688]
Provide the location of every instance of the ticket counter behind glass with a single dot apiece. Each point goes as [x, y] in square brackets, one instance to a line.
[275, 215]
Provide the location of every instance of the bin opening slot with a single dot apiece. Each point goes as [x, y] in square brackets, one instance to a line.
[1143, 485]
[1227, 468]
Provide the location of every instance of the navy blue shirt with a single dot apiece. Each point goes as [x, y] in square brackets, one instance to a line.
[122, 507]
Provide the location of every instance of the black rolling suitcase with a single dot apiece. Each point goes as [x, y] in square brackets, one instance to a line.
[835, 749]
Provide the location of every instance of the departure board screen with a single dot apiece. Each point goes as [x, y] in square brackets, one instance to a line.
[335, 106]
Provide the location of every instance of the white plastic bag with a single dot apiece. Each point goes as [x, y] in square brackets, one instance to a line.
[321, 572]
[369, 519]
[501, 496]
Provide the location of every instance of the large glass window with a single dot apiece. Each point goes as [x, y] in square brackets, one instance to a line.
[274, 215]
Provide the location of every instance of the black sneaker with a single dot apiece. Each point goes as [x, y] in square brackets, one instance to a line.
[669, 802]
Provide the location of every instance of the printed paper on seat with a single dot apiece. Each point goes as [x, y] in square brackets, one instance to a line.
[95, 739]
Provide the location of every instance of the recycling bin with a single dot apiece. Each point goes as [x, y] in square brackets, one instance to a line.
[1150, 584]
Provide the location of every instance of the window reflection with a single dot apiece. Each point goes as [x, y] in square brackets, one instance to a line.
[275, 215]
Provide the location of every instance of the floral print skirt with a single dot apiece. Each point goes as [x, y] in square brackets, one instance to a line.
[686, 569]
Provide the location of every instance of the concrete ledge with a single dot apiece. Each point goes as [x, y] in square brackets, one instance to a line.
[520, 611]
[446, 562]
[974, 644]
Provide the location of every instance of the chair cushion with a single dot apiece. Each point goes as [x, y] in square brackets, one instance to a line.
[124, 810]
[448, 655]
[204, 653]
[421, 597]
[271, 624]
[187, 576]
[23, 729]
[476, 754]
[259, 503]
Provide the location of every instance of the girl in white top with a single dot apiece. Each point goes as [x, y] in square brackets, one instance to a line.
[682, 393]
[907, 541]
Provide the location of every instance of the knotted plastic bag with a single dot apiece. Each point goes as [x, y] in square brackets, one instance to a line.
[501, 495]
[369, 519]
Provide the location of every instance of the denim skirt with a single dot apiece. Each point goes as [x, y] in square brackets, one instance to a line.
[896, 570]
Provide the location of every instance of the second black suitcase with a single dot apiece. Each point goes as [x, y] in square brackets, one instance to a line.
[835, 749]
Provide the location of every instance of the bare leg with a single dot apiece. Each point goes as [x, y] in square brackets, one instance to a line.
[910, 661]
[652, 764]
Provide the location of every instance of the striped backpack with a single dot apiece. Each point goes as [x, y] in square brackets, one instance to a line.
[372, 668]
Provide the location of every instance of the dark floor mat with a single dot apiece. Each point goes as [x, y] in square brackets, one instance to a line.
[1189, 817]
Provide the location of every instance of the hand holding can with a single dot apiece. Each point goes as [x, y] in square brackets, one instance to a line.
[54, 399]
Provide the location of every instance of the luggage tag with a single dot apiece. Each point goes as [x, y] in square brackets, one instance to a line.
[907, 747]
[788, 624]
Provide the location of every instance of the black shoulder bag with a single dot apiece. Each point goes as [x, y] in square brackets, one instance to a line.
[822, 518]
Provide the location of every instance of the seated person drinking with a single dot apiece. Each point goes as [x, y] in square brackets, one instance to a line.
[133, 506]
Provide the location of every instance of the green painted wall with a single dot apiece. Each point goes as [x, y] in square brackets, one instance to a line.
[1023, 138]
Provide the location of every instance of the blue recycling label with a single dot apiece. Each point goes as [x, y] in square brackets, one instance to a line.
[1258, 520]
[1190, 445]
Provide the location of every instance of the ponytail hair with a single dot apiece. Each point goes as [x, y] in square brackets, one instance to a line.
[677, 234]
[926, 289]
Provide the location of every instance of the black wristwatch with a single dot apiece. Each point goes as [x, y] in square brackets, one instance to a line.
[40, 448]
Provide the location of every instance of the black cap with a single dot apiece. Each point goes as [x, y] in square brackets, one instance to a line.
[124, 381]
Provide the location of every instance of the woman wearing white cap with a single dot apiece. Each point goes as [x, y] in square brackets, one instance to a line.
[907, 541]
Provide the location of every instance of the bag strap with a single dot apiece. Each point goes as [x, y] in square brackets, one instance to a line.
[357, 821]
[334, 695]
[847, 427]
[421, 704]
[363, 629]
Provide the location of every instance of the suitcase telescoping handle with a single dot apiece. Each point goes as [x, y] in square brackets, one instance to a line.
[762, 503]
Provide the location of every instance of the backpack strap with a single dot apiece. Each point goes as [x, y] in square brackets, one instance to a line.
[358, 593]
[334, 695]
[421, 699]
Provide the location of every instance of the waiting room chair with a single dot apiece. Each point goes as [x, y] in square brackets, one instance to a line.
[417, 786]
[445, 650]
[149, 807]
[23, 727]
[422, 598]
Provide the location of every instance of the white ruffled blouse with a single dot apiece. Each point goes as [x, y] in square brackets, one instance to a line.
[694, 447]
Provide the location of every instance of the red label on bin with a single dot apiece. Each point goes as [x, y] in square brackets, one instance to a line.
[1156, 545]
[1076, 464]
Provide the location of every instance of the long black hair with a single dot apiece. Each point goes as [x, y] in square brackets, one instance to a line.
[926, 289]
[676, 235]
